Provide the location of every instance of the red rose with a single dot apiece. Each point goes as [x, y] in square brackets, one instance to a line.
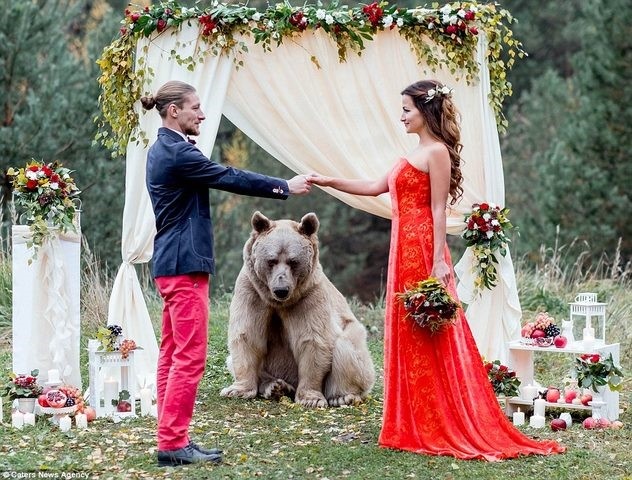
[462, 25]
[161, 25]
[374, 13]
[488, 367]
[469, 15]
[503, 368]
[474, 30]
[123, 31]
[595, 358]
[33, 168]
[134, 17]
[298, 20]
[31, 184]
[47, 170]
[450, 29]
[484, 206]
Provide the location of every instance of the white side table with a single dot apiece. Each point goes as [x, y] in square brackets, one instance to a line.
[521, 361]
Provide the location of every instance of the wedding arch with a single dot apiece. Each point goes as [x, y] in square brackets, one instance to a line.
[318, 88]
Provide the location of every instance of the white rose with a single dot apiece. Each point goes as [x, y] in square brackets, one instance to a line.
[445, 91]
[270, 24]
[486, 217]
[329, 19]
[54, 186]
[431, 93]
[30, 175]
[320, 14]
[495, 222]
[489, 234]
[256, 17]
[387, 21]
[400, 22]
[446, 9]
[445, 18]
[461, 13]
[453, 19]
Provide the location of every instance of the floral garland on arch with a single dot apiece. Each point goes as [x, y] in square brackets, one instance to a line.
[485, 231]
[454, 29]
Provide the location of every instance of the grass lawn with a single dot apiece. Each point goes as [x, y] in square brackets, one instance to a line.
[280, 440]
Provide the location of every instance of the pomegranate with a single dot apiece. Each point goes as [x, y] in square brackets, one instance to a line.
[56, 398]
[42, 400]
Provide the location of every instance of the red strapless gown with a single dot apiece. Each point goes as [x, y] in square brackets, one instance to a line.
[437, 398]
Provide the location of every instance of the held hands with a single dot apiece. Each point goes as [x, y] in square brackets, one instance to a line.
[300, 184]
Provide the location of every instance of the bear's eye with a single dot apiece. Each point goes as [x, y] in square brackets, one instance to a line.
[292, 263]
[272, 262]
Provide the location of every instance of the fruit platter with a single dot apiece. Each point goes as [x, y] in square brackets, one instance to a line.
[542, 332]
[60, 400]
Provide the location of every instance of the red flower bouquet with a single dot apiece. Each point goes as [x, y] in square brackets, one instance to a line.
[430, 305]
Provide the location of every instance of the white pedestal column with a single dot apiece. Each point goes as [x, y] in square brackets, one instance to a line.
[46, 308]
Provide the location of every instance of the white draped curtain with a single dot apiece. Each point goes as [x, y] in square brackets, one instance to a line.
[341, 119]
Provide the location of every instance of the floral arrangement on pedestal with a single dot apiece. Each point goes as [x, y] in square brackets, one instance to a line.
[46, 194]
[503, 379]
[485, 232]
[111, 340]
[454, 28]
[595, 370]
[20, 386]
[430, 305]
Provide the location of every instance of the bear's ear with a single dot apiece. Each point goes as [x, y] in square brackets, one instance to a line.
[309, 224]
[260, 222]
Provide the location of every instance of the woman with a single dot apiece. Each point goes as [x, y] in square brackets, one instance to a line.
[437, 398]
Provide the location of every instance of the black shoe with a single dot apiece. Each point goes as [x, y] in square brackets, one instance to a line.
[205, 451]
[185, 456]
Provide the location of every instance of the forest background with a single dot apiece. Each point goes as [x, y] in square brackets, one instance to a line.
[565, 153]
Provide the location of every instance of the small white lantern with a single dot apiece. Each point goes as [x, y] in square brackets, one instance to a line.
[110, 374]
[593, 333]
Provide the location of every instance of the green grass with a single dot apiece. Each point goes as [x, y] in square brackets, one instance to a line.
[280, 440]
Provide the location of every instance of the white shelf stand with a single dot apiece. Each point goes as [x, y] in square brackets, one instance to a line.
[122, 369]
[521, 361]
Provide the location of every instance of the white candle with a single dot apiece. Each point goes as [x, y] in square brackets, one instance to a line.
[29, 418]
[518, 418]
[65, 423]
[536, 421]
[17, 419]
[110, 393]
[53, 376]
[538, 407]
[81, 420]
[145, 401]
[529, 392]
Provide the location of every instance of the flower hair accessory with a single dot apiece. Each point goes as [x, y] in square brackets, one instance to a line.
[438, 92]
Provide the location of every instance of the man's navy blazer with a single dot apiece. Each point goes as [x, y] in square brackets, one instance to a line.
[178, 177]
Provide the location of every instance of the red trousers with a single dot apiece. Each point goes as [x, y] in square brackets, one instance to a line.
[182, 355]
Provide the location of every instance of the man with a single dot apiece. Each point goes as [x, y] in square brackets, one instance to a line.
[178, 178]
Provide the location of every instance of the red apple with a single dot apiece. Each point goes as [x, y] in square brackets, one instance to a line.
[603, 423]
[589, 423]
[585, 398]
[42, 400]
[552, 395]
[616, 425]
[560, 341]
[526, 329]
[538, 333]
[569, 395]
[558, 424]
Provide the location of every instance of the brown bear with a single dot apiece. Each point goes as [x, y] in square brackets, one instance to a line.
[290, 331]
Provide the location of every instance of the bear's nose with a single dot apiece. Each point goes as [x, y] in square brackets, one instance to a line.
[281, 292]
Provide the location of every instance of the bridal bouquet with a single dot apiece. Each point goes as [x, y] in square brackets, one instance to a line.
[44, 192]
[430, 305]
[485, 232]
